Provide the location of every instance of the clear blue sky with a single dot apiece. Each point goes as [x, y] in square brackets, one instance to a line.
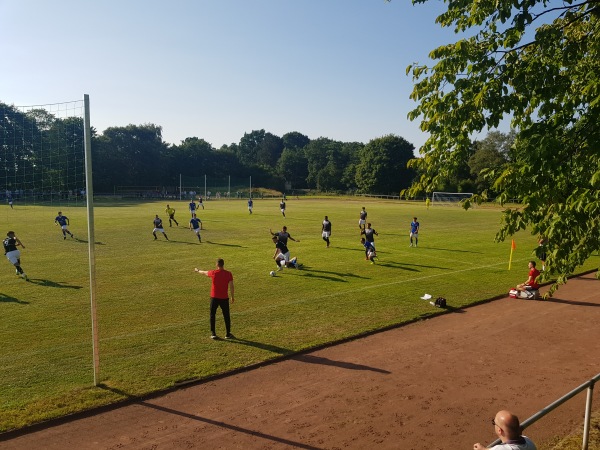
[216, 69]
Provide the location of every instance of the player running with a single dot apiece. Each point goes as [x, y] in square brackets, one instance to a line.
[326, 230]
[283, 235]
[282, 207]
[250, 205]
[158, 226]
[63, 221]
[192, 207]
[196, 226]
[12, 252]
[171, 213]
[370, 234]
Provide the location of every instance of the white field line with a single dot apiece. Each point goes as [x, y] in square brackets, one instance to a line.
[249, 311]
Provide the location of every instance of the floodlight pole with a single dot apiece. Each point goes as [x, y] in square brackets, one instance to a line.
[89, 190]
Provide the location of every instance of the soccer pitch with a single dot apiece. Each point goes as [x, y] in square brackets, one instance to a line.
[153, 309]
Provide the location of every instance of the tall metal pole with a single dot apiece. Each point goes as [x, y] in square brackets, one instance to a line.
[89, 190]
[229, 187]
[204, 185]
[250, 186]
[179, 186]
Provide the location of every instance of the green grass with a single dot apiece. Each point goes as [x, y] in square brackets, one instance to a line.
[153, 310]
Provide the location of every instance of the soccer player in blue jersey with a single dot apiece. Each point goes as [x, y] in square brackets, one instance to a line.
[158, 226]
[414, 232]
[196, 226]
[250, 205]
[369, 250]
[63, 221]
[192, 207]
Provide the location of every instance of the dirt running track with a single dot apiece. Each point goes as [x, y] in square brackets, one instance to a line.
[435, 384]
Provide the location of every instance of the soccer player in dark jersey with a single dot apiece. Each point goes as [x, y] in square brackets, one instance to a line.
[171, 213]
[196, 226]
[282, 255]
[370, 234]
[326, 230]
[158, 226]
[250, 205]
[200, 202]
[363, 219]
[12, 252]
[283, 235]
[282, 207]
[63, 221]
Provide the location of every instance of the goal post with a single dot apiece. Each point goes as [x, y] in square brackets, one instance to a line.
[450, 198]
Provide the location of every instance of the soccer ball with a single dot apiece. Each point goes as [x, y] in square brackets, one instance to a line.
[272, 273]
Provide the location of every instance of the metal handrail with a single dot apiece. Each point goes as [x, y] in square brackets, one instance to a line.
[552, 406]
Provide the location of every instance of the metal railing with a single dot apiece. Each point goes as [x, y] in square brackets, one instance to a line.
[552, 406]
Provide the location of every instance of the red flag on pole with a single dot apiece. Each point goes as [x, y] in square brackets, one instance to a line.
[513, 246]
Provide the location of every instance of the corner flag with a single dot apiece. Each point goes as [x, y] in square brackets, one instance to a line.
[513, 246]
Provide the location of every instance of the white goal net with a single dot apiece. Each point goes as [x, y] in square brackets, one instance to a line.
[450, 198]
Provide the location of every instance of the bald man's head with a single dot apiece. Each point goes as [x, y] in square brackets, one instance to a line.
[508, 423]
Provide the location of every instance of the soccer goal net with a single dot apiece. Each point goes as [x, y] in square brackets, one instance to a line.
[449, 198]
[42, 154]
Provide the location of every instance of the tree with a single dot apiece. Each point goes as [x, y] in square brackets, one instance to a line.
[130, 155]
[491, 154]
[540, 65]
[293, 167]
[295, 140]
[383, 165]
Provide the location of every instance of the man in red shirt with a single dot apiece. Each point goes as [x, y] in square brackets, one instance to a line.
[222, 282]
[531, 283]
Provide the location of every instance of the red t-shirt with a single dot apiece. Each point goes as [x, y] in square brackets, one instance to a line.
[220, 283]
[533, 274]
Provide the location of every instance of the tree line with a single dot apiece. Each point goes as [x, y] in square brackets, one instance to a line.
[38, 148]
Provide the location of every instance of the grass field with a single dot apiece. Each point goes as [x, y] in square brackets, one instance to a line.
[153, 309]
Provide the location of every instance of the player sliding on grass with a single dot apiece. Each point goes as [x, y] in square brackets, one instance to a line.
[63, 221]
[12, 252]
[369, 250]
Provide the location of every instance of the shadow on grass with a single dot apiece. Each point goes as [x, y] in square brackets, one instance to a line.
[307, 271]
[262, 346]
[396, 265]
[8, 299]
[85, 241]
[54, 284]
[224, 245]
[453, 250]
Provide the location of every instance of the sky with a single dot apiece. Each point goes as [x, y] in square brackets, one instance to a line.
[216, 69]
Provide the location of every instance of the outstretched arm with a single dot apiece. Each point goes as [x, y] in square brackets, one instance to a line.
[202, 272]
